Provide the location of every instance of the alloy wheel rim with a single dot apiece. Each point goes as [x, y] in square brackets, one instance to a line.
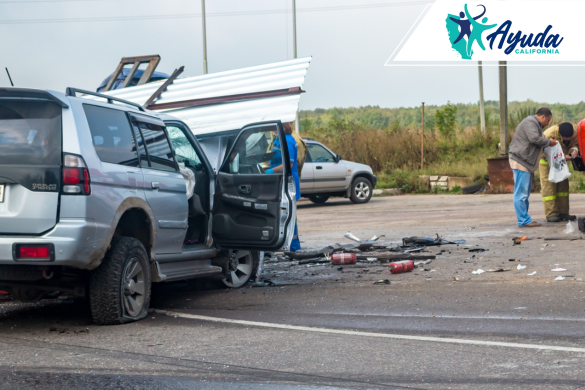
[133, 288]
[362, 190]
[240, 264]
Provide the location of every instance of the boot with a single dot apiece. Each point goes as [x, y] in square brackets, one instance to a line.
[553, 218]
[567, 217]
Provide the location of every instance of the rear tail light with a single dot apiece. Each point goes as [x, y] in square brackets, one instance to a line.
[33, 252]
[76, 180]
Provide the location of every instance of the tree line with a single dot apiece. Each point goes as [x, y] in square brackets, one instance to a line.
[445, 119]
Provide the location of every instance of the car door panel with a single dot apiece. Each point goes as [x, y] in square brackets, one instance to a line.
[164, 186]
[328, 175]
[307, 177]
[253, 210]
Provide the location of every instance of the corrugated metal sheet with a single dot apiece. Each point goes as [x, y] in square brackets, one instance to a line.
[234, 115]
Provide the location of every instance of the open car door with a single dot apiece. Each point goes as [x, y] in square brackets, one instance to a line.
[252, 209]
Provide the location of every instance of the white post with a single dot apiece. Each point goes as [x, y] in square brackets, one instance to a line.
[294, 12]
[481, 102]
[204, 38]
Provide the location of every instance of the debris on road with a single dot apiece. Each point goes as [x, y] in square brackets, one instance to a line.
[384, 281]
[521, 266]
[344, 258]
[478, 250]
[518, 240]
[558, 270]
[498, 269]
[570, 228]
[401, 266]
[532, 274]
[560, 278]
[424, 262]
[428, 241]
[478, 272]
[309, 253]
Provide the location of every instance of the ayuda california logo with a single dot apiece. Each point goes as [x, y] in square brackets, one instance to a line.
[465, 30]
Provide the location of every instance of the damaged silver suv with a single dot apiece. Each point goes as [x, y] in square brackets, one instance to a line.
[93, 202]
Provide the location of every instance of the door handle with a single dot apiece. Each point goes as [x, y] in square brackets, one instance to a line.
[319, 167]
[245, 189]
[155, 185]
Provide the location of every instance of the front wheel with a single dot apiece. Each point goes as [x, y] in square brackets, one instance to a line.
[119, 289]
[318, 199]
[361, 190]
[243, 267]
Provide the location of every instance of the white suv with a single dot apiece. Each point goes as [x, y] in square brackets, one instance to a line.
[325, 174]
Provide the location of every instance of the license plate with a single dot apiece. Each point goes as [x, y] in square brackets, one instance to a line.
[1, 193]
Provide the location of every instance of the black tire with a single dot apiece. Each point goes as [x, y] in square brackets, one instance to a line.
[111, 285]
[472, 189]
[244, 265]
[361, 190]
[318, 199]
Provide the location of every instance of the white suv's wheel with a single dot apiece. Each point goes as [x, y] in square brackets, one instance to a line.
[361, 190]
[243, 266]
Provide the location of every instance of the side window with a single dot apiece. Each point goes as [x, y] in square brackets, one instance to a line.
[184, 151]
[256, 150]
[319, 154]
[157, 147]
[112, 135]
[141, 148]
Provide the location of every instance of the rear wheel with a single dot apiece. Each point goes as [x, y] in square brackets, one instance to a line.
[119, 289]
[243, 267]
[361, 190]
[319, 199]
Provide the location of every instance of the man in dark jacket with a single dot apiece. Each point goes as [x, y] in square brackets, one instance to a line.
[525, 151]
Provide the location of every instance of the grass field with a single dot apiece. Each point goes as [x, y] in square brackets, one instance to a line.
[395, 154]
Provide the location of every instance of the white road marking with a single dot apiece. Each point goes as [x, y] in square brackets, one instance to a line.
[370, 334]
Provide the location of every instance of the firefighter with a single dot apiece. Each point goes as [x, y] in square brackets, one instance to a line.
[555, 196]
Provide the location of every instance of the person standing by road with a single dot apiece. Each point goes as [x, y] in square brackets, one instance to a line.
[525, 151]
[555, 196]
[276, 166]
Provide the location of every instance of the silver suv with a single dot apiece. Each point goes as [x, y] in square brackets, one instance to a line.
[93, 202]
[325, 174]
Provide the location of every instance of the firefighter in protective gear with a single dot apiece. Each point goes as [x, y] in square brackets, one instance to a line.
[555, 196]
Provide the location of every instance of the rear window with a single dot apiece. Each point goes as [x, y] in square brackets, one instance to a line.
[111, 135]
[30, 132]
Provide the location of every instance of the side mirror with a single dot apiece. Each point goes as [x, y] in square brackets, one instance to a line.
[338, 158]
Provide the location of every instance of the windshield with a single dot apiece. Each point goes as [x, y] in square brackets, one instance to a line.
[30, 132]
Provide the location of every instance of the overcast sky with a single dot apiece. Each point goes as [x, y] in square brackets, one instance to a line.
[59, 43]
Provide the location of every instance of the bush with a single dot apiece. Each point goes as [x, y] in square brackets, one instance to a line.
[445, 120]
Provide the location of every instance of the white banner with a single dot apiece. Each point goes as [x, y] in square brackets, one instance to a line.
[469, 31]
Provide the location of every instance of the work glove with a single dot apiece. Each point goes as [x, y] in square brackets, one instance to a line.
[269, 170]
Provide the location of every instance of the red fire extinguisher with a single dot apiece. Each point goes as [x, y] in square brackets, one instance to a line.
[399, 267]
[344, 258]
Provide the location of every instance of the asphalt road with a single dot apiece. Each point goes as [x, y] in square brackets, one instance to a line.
[320, 328]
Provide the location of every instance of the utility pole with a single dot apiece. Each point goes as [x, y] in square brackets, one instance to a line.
[422, 139]
[481, 103]
[204, 38]
[503, 108]
[294, 14]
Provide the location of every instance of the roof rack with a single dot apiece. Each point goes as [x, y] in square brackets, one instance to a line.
[72, 91]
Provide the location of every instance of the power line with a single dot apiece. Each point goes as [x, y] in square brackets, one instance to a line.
[188, 16]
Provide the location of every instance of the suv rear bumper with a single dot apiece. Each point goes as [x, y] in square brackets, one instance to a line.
[73, 238]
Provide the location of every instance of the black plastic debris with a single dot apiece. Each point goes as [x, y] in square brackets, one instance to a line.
[477, 250]
[428, 241]
[309, 253]
[385, 281]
